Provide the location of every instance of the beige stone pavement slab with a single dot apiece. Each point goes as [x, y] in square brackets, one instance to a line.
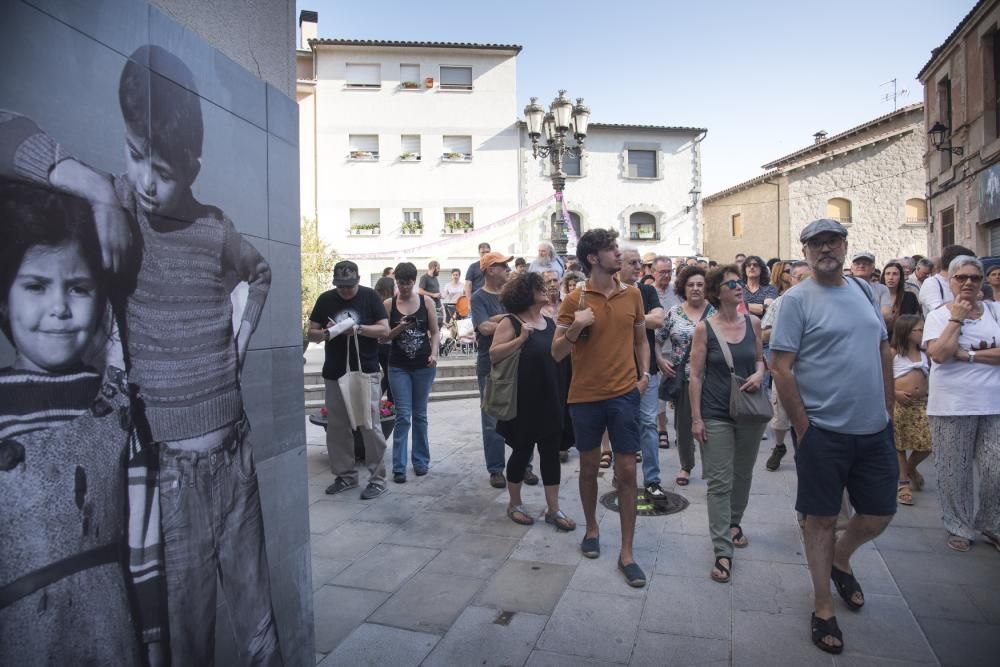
[421, 576]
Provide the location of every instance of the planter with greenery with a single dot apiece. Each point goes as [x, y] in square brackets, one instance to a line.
[412, 228]
[457, 226]
[456, 157]
[366, 229]
[409, 157]
[363, 155]
[410, 85]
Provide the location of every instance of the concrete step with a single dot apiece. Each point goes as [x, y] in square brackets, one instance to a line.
[457, 383]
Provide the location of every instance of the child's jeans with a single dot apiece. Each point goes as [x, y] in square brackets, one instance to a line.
[212, 527]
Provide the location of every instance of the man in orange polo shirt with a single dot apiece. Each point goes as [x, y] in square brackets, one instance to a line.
[602, 324]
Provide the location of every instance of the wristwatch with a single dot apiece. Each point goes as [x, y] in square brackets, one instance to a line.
[972, 356]
[647, 375]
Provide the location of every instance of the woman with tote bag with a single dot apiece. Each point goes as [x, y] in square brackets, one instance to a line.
[729, 412]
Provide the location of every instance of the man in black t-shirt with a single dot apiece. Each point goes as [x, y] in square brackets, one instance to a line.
[430, 287]
[358, 318]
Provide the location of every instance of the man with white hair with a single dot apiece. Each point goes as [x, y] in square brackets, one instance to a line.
[547, 260]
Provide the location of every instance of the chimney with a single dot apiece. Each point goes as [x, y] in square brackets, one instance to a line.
[819, 137]
[308, 22]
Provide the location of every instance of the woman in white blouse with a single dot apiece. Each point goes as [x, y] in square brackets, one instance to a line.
[963, 340]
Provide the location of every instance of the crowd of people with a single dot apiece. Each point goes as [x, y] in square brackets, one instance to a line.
[866, 371]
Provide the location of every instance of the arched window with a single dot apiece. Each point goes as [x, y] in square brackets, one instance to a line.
[839, 209]
[642, 227]
[574, 221]
[916, 211]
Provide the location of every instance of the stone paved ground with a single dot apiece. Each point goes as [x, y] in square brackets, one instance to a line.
[433, 573]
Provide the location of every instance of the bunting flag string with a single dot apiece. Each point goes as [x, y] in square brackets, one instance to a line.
[476, 233]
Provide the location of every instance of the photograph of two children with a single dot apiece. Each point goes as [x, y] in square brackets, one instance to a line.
[128, 299]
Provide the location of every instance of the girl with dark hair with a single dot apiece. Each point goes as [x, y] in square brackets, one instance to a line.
[414, 337]
[904, 302]
[758, 292]
[541, 395]
[910, 368]
[73, 479]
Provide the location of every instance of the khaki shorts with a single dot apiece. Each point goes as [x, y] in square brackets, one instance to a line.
[779, 422]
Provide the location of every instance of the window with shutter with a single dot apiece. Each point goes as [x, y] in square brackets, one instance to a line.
[365, 221]
[571, 165]
[456, 78]
[363, 76]
[410, 147]
[457, 147]
[995, 242]
[409, 77]
[642, 227]
[363, 146]
[642, 164]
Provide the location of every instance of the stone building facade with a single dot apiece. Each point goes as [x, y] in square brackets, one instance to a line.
[871, 177]
[962, 93]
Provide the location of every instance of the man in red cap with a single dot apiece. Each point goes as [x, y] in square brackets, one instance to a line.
[487, 311]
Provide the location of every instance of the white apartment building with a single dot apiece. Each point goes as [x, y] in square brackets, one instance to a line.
[414, 151]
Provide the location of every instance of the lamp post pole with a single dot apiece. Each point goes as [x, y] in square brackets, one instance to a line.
[562, 119]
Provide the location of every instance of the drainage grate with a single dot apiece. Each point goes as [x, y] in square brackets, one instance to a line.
[646, 507]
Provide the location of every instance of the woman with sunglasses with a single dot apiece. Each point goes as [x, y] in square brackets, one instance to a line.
[729, 448]
[904, 302]
[758, 291]
[963, 406]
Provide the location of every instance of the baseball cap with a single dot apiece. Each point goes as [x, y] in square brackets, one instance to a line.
[345, 274]
[648, 258]
[491, 258]
[864, 254]
[817, 227]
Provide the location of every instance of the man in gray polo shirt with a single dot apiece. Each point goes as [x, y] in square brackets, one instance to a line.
[833, 369]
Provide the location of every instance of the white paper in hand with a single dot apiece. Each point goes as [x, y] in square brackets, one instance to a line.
[340, 327]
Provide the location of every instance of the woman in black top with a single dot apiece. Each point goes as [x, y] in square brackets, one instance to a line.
[728, 448]
[541, 395]
[413, 332]
[903, 301]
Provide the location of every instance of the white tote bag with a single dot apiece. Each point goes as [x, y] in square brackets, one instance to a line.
[356, 388]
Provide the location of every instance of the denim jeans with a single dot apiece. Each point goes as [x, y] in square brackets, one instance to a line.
[410, 388]
[213, 530]
[493, 442]
[649, 436]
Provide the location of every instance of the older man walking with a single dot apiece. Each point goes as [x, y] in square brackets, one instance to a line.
[833, 369]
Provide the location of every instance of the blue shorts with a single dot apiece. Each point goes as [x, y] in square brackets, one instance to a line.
[866, 465]
[619, 416]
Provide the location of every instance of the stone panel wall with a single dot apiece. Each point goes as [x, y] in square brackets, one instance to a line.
[877, 179]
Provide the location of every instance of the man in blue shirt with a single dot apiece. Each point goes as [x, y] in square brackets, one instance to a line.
[833, 369]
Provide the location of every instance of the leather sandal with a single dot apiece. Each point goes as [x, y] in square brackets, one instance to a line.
[827, 627]
[525, 518]
[605, 460]
[904, 496]
[724, 578]
[847, 586]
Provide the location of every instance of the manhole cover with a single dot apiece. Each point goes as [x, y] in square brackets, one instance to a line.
[646, 507]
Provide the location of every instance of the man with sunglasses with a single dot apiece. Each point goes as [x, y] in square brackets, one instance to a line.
[833, 368]
[487, 311]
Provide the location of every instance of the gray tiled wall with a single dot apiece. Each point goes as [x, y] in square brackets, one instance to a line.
[59, 64]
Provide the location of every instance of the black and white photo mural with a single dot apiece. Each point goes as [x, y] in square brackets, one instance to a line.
[153, 501]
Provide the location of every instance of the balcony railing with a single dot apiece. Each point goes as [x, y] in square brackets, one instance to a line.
[643, 236]
[916, 221]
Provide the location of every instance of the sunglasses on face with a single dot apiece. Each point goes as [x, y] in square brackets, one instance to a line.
[751, 265]
[966, 278]
[831, 243]
[732, 284]
[786, 271]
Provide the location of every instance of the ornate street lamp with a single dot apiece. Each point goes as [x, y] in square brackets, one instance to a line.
[562, 118]
[940, 134]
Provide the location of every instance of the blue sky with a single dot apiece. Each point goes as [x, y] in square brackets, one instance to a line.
[762, 77]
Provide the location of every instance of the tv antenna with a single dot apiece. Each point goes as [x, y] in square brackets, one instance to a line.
[895, 94]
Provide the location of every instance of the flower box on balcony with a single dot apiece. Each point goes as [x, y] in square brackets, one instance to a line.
[364, 156]
[457, 227]
[410, 85]
[409, 157]
[411, 229]
[456, 157]
[366, 230]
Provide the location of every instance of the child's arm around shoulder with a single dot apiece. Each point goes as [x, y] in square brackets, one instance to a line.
[28, 153]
